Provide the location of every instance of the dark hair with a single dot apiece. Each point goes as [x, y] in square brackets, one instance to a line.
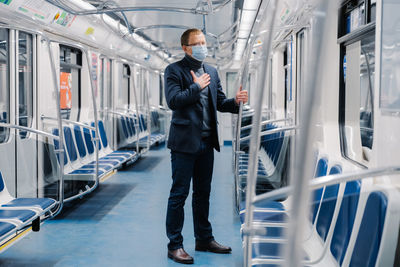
[185, 36]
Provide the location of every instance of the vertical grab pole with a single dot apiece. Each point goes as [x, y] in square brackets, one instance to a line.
[256, 129]
[137, 108]
[241, 82]
[57, 94]
[303, 155]
[96, 122]
[147, 95]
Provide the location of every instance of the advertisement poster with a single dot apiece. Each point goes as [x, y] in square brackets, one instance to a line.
[65, 90]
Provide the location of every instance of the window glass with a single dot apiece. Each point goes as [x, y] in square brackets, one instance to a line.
[4, 83]
[300, 70]
[162, 98]
[358, 65]
[70, 82]
[25, 80]
[231, 83]
[126, 75]
[105, 86]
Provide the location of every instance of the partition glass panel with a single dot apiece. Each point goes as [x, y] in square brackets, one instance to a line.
[4, 83]
[25, 80]
[70, 82]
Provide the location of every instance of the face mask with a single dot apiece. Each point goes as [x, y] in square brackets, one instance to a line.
[199, 52]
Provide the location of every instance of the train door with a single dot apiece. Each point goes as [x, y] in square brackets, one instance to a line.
[7, 137]
[106, 97]
[300, 70]
[25, 85]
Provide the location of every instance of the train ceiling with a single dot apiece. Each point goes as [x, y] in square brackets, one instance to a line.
[162, 22]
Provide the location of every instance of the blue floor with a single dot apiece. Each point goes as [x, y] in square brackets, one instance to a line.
[122, 223]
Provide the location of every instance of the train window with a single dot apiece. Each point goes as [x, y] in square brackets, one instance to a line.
[230, 84]
[357, 107]
[162, 98]
[301, 56]
[105, 85]
[4, 83]
[126, 75]
[70, 82]
[25, 80]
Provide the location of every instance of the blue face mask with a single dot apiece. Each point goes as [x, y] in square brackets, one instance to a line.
[199, 52]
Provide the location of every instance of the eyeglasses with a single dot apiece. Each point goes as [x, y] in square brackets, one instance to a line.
[196, 44]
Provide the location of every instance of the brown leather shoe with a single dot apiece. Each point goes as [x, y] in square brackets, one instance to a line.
[180, 255]
[214, 247]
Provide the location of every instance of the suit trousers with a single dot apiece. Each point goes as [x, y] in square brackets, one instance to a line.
[186, 166]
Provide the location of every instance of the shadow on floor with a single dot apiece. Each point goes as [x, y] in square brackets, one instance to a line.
[144, 164]
[97, 204]
[16, 262]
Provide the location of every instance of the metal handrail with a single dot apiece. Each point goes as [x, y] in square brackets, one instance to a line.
[83, 125]
[265, 123]
[272, 131]
[119, 113]
[331, 180]
[137, 9]
[271, 8]
[319, 183]
[23, 128]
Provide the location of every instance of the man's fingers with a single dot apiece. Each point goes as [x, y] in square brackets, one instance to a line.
[193, 75]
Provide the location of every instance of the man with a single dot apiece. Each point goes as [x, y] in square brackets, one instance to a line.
[193, 91]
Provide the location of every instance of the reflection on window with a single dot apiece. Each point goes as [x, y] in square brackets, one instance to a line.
[125, 93]
[25, 80]
[105, 86]
[162, 97]
[70, 82]
[4, 83]
[358, 77]
[230, 84]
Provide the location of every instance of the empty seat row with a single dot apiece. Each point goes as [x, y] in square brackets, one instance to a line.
[18, 213]
[346, 224]
[128, 126]
[79, 153]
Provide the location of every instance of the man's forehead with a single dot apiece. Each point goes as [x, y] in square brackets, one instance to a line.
[196, 35]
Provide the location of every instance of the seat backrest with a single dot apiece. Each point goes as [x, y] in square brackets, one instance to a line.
[94, 136]
[131, 123]
[124, 126]
[57, 146]
[328, 205]
[69, 144]
[80, 143]
[88, 141]
[320, 170]
[102, 132]
[369, 236]
[4, 194]
[128, 126]
[345, 221]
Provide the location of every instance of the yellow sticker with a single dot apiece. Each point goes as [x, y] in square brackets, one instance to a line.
[89, 31]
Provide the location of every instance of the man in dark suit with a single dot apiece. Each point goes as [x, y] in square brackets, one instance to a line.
[194, 93]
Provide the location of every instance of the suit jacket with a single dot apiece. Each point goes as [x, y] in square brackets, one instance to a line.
[182, 95]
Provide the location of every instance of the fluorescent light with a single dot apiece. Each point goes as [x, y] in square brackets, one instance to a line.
[251, 5]
[247, 18]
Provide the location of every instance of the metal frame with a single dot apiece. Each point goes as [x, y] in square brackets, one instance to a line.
[196, 11]
[56, 92]
[69, 122]
[272, 131]
[28, 129]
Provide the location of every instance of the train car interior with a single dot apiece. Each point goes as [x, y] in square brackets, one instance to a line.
[309, 167]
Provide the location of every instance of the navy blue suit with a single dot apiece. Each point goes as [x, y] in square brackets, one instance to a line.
[191, 155]
[182, 95]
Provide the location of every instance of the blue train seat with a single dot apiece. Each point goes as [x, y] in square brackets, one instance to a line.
[369, 236]
[345, 221]
[21, 211]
